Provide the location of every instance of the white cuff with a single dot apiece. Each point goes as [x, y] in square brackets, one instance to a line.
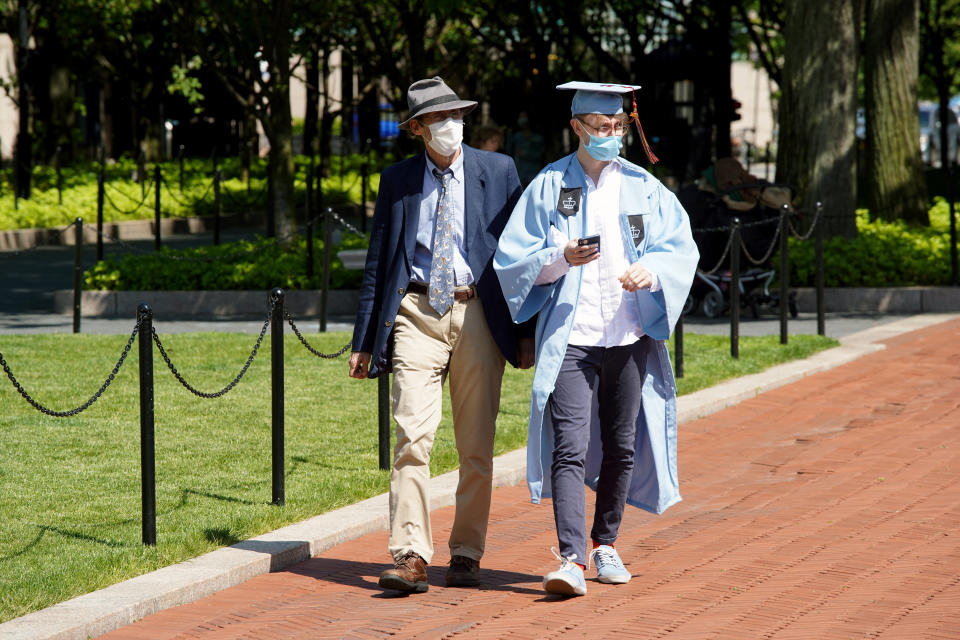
[554, 269]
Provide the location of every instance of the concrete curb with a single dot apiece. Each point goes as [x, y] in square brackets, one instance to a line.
[881, 299]
[97, 613]
[17, 239]
[202, 304]
[220, 304]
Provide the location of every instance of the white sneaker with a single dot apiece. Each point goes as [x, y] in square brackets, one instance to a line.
[568, 580]
[610, 568]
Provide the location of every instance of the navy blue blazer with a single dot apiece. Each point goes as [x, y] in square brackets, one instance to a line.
[491, 189]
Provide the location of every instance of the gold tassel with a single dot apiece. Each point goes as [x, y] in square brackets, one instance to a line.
[643, 139]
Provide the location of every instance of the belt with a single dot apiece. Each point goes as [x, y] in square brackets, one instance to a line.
[461, 294]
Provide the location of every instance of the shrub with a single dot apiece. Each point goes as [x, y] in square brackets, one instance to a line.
[243, 265]
[884, 254]
[125, 199]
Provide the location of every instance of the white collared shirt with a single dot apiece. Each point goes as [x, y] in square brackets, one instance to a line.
[420, 270]
[607, 314]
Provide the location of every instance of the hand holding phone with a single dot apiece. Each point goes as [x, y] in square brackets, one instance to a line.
[582, 250]
[589, 240]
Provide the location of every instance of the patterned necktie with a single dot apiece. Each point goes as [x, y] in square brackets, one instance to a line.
[441, 264]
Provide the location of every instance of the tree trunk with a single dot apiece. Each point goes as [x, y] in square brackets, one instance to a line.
[313, 101]
[281, 172]
[816, 153]
[24, 153]
[278, 125]
[722, 95]
[326, 118]
[896, 184]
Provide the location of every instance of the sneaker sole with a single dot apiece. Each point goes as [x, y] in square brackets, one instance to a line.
[562, 588]
[614, 579]
[398, 584]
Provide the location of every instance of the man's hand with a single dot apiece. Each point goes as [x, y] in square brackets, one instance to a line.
[525, 353]
[636, 277]
[577, 255]
[359, 363]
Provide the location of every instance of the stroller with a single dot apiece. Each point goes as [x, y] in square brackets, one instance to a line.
[726, 191]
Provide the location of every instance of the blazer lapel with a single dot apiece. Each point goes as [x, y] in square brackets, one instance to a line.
[413, 194]
[475, 223]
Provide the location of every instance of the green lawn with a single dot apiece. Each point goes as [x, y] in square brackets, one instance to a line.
[70, 487]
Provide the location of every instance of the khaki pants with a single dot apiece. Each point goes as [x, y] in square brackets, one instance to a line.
[428, 348]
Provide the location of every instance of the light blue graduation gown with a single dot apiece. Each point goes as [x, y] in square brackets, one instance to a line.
[668, 250]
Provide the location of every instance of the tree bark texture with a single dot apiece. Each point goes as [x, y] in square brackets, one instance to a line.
[278, 125]
[896, 185]
[816, 154]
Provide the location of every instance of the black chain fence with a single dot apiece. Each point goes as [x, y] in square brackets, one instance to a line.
[96, 396]
[173, 369]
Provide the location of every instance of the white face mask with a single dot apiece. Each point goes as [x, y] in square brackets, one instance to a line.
[446, 136]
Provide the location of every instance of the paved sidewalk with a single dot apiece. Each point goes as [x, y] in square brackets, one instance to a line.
[805, 516]
[826, 508]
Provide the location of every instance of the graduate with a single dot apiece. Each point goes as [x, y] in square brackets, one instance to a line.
[603, 252]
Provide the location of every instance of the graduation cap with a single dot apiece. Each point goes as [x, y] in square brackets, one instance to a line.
[607, 99]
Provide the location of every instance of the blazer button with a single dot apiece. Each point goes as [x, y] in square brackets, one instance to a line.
[400, 290]
[387, 323]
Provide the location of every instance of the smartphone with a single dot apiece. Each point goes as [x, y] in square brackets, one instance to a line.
[589, 240]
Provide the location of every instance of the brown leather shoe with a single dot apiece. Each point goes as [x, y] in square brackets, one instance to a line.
[409, 574]
[463, 572]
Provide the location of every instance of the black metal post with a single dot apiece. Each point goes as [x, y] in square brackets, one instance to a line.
[818, 248]
[180, 158]
[383, 415]
[142, 174]
[954, 278]
[271, 228]
[100, 214]
[308, 215]
[156, 206]
[276, 377]
[77, 273]
[16, 180]
[784, 274]
[327, 241]
[678, 348]
[148, 480]
[216, 206]
[59, 178]
[364, 175]
[735, 290]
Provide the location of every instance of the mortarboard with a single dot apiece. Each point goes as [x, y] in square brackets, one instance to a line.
[607, 99]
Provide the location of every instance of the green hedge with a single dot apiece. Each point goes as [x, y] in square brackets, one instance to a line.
[884, 254]
[126, 199]
[243, 265]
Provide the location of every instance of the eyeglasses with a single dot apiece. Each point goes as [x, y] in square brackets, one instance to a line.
[615, 126]
[437, 116]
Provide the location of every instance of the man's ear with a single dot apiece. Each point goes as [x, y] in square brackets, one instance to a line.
[577, 127]
[417, 128]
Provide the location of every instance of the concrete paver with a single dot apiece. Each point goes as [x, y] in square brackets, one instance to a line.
[825, 508]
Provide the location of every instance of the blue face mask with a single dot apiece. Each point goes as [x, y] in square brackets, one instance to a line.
[603, 149]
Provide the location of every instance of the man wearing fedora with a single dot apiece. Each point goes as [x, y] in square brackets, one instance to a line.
[430, 308]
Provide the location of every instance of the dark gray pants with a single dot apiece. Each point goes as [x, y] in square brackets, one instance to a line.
[617, 375]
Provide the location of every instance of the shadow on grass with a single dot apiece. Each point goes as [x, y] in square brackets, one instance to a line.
[220, 536]
[26, 548]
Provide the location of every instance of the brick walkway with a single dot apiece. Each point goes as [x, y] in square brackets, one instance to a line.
[829, 508]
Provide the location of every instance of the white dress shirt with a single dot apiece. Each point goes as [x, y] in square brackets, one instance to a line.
[420, 270]
[607, 314]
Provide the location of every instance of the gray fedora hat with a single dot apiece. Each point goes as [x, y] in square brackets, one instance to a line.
[433, 94]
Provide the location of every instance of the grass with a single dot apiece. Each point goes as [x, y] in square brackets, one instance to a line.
[70, 487]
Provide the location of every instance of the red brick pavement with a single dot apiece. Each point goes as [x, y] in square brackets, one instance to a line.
[828, 508]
